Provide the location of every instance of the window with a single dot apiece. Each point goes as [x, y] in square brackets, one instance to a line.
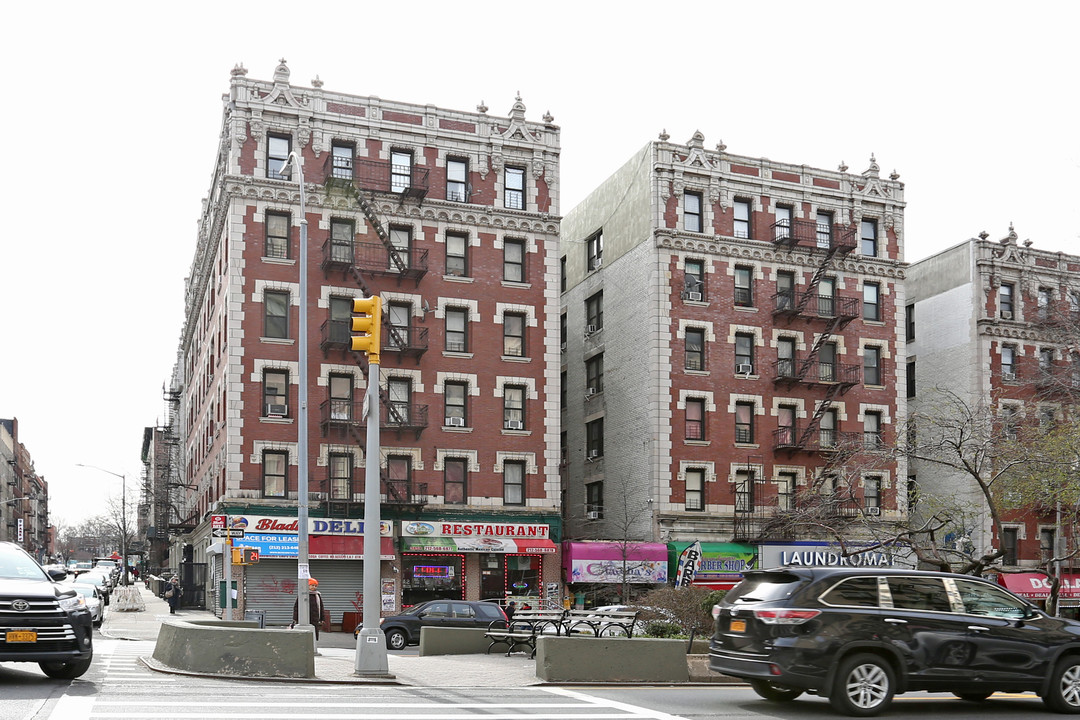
[827, 429]
[911, 378]
[513, 407]
[397, 319]
[695, 349]
[594, 313]
[1047, 544]
[854, 592]
[457, 173]
[455, 395]
[744, 422]
[744, 491]
[744, 286]
[562, 274]
[513, 482]
[872, 365]
[982, 599]
[695, 489]
[401, 246]
[785, 490]
[1047, 419]
[515, 188]
[744, 354]
[1009, 542]
[594, 499]
[785, 357]
[692, 212]
[340, 469]
[1043, 301]
[872, 430]
[398, 478]
[824, 229]
[339, 330]
[274, 464]
[457, 248]
[1074, 303]
[400, 392]
[594, 439]
[785, 290]
[695, 419]
[782, 226]
[342, 161]
[275, 393]
[278, 148]
[342, 233]
[868, 237]
[563, 331]
[1046, 361]
[513, 335]
[276, 309]
[827, 363]
[871, 301]
[400, 170]
[341, 397]
[514, 261]
[742, 218]
[1009, 422]
[916, 593]
[1008, 362]
[277, 235]
[694, 280]
[594, 246]
[456, 330]
[562, 391]
[454, 476]
[909, 317]
[827, 297]
[1005, 301]
[785, 426]
[594, 374]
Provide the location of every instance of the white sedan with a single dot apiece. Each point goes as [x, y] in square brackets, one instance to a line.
[94, 603]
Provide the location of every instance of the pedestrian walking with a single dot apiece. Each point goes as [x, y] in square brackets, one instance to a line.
[173, 592]
[315, 606]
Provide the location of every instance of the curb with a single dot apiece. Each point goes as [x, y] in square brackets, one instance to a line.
[156, 666]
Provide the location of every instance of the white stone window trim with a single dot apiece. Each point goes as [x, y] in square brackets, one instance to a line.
[415, 301]
[472, 239]
[706, 395]
[414, 376]
[757, 468]
[258, 447]
[753, 330]
[328, 449]
[502, 381]
[290, 366]
[756, 268]
[261, 286]
[884, 475]
[882, 345]
[883, 410]
[468, 378]
[1019, 348]
[1021, 529]
[328, 369]
[781, 333]
[884, 288]
[841, 345]
[708, 466]
[502, 456]
[734, 398]
[839, 406]
[706, 208]
[528, 311]
[798, 470]
[457, 304]
[415, 454]
[685, 324]
[529, 241]
[707, 266]
[799, 403]
[442, 453]
[333, 291]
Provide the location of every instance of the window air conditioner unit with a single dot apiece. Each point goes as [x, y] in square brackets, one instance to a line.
[593, 454]
[590, 330]
[597, 263]
[277, 410]
[455, 422]
[562, 347]
[1008, 376]
[744, 369]
[873, 510]
[515, 425]
[589, 392]
[693, 296]
[592, 515]
[1006, 315]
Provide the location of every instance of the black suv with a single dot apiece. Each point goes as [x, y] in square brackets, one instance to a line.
[404, 629]
[41, 621]
[860, 636]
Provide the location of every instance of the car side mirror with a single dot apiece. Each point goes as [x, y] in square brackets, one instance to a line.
[57, 574]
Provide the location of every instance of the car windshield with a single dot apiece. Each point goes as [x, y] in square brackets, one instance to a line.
[86, 579]
[16, 564]
[763, 587]
[85, 590]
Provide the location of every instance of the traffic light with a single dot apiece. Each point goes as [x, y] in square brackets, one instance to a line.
[245, 555]
[369, 324]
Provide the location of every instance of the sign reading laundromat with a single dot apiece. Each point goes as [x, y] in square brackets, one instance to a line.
[811, 554]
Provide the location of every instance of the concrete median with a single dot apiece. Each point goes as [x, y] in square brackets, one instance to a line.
[641, 660]
[236, 648]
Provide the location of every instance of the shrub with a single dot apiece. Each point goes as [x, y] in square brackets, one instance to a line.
[663, 629]
[687, 606]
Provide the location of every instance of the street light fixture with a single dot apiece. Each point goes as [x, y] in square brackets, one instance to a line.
[123, 518]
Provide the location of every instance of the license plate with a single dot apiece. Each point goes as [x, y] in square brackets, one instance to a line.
[738, 626]
[20, 636]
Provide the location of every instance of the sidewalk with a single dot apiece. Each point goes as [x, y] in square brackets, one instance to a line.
[336, 665]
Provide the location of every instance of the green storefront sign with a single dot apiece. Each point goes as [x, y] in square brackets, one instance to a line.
[720, 562]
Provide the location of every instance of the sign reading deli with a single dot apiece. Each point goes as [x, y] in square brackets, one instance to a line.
[510, 531]
[316, 526]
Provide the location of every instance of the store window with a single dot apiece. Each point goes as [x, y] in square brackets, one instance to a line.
[431, 577]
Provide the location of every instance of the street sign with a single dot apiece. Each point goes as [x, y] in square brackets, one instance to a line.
[226, 532]
[216, 522]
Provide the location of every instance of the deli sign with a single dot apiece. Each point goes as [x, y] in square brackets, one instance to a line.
[316, 526]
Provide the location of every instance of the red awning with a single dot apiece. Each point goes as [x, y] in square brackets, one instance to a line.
[346, 547]
[1037, 586]
[717, 585]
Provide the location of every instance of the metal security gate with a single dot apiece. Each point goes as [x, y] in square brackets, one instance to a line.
[270, 586]
[193, 583]
[341, 582]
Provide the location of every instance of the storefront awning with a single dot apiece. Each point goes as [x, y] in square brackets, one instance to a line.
[613, 562]
[721, 564]
[531, 546]
[1036, 586]
[320, 547]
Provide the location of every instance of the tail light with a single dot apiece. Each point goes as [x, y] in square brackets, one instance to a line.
[785, 617]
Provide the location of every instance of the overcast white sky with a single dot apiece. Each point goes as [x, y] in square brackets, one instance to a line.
[112, 114]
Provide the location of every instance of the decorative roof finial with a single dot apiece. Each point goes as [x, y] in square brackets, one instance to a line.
[843, 166]
[239, 70]
[894, 175]
[983, 235]
[548, 117]
[664, 135]
[697, 140]
[317, 83]
[721, 146]
[481, 108]
[874, 168]
[281, 74]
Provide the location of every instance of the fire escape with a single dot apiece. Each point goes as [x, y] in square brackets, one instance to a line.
[170, 510]
[360, 180]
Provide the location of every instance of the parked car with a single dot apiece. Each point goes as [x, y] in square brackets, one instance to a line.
[860, 636]
[95, 603]
[97, 580]
[404, 629]
[41, 620]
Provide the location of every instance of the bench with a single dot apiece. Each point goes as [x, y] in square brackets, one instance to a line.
[523, 629]
[601, 622]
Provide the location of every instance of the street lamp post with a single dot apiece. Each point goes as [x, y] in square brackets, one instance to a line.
[303, 572]
[123, 518]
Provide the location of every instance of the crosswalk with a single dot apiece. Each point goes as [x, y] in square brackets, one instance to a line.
[120, 687]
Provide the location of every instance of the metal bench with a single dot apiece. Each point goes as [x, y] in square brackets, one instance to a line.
[598, 622]
[523, 629]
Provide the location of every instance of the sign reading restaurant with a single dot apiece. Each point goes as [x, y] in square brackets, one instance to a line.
[455, 529]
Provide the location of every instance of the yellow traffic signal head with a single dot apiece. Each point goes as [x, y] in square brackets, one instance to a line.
[367, 328]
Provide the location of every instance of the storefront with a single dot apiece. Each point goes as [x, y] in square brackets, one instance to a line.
[721, 566]
[476, 561]
[1035, 587]
[826, 554]
[611, 565]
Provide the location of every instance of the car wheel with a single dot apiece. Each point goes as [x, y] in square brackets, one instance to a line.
[65, 671]
[774, 692]
[396, 640]
[974, 696]
[1063, 695]
[864, 686]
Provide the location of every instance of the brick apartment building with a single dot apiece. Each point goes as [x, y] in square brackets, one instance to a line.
[731, 331]
[24, 496]
[995, 322]
[453, 219]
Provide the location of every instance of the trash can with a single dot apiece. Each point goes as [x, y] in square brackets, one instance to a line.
[258, 616]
